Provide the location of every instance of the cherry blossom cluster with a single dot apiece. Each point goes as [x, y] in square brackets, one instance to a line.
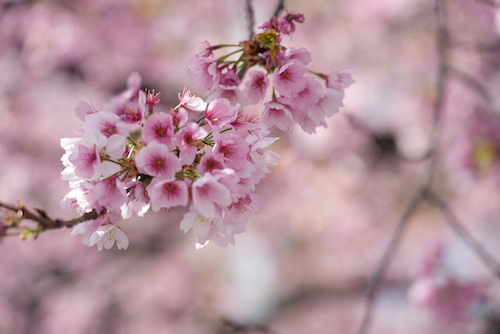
[294, 97]
[206, 155]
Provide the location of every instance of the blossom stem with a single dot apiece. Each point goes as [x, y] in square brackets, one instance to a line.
[223, 58]
[44, 221]
[114, 161]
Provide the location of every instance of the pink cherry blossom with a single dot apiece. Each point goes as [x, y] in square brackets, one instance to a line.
[159, 128]
[106, 122]
[246, 122]
[86, 159]
[311, 93]
[237, 213]
[190, 102]
[220, 112]
[308, 124]
[77, 197]
[340, 80]
[245, 204]
[277, 114]
[328, 105]
[84, 108]
[284, 25]
[101, 232]
[106, 235]
[229, 178]
[137, 199]
[134, 112]
[208, 192]
[168, 194]
[187, 139]
[232, 150]
[180, 117]
[115, 147]
[228, 88]
[261, 154]
[288, 25]
[88, 155]
[86, 229]
[298, 53]
[446, 297]
[256, 86]
[108, 194]
[203, 73]
[206, 229]
[152, 98]
[155, 159]
[288, 79]
[209, 164]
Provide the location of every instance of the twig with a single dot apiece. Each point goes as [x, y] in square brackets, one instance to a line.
[250, 14]
[475, 85]
[442, 43]
[492, 3]
[44, 221]
[464, 235]
[228, 326]
[279, 8]
[383, 264]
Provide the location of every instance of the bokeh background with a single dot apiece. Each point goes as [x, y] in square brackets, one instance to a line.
[329, 208]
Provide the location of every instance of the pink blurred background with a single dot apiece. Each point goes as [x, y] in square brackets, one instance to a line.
[329, 207]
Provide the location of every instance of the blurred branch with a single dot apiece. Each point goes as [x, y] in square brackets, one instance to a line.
[250, 14]
[279, 8]
[474, 46]
[492, 3]
[475, 85]
[464, 235]
[383, 264]
[14, 215]
[442, 43]
[228, 326]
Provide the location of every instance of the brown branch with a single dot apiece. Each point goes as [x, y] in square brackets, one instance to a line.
[279, 8]
[44, 222]
[250, 19]
[464, 235]
[228, 326]
[491, 3]
[475, 85]
[442, 45]
[383, 264]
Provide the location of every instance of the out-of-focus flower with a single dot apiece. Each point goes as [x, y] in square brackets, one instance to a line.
[446, 297]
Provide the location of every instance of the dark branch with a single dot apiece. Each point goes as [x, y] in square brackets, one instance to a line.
[464, 235]
[442, 42]
[442, 45]
[383, 264]
[475, 85]
[228, 326]
[492, 3]
[250, 19]
[44, 222]
[279, 8]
